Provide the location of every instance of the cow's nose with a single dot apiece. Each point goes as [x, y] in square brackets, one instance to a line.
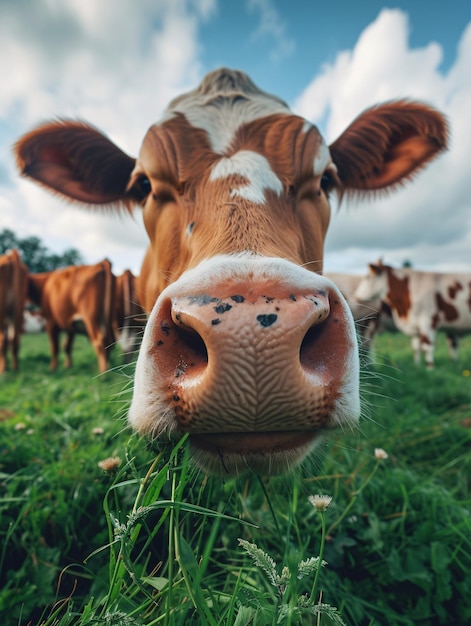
[248, 363]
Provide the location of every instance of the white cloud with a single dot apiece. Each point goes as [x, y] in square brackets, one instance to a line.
[271, 25]
[113, 63]
[433, 213]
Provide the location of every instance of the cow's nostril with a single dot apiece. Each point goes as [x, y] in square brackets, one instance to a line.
[309, 353]
[192, 345]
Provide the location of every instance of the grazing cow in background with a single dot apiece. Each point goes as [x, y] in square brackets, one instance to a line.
[129, 317]
[13, 282]
[247, 347]
[365, 314]
[33, 321]
[75, 298]
[421, 304]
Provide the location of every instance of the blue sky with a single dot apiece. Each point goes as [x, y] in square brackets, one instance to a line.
[117, 63]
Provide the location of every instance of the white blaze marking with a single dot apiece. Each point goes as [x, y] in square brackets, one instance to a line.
[322, 159]
[221, 122]
[255, 168]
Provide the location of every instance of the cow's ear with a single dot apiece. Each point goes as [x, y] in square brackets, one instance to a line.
[387, 144]
[76, 161]
[376, 268]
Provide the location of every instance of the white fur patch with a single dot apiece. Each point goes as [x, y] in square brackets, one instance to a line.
[222, 121]
[255, 168]
[322, 159]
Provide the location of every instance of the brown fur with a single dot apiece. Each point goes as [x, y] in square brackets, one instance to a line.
[398, 296]
[13, 277]
[74, 293]
[448, 310]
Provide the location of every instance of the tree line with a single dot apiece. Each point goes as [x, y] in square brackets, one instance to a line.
[35, 254]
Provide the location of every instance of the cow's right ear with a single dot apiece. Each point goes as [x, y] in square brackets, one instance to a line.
[375, 268]
[76, 161]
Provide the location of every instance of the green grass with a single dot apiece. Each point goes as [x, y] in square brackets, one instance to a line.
[152, 541]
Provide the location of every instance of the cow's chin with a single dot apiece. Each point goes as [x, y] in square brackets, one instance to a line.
[266, 453]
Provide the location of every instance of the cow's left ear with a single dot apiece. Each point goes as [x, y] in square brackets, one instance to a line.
[76, 161]
[387, 144]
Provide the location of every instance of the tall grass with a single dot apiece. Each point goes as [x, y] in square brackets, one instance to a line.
[143, 538]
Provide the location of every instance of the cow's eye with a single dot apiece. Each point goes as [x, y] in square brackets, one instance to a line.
[143, 187]
[327, 182]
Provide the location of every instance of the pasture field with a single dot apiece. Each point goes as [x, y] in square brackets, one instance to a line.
[145, 539]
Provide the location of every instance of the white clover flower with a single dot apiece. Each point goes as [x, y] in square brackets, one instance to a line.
[20, 426]
[380, 454]
[320, 502]
[98, 430]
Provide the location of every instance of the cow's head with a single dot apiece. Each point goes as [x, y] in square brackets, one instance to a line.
[374, 285]
[247, 347]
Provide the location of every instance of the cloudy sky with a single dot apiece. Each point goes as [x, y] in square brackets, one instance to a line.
[117, 63]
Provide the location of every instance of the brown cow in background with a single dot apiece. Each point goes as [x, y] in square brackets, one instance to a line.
[72, 298]
[13, 284]
[129, 317]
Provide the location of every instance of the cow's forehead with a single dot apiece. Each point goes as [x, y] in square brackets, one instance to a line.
[222, 115]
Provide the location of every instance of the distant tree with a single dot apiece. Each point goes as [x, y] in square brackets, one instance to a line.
[407, 263]
[36, 255]
[8, 240]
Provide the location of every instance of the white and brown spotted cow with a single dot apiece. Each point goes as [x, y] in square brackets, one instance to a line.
[247, 347]
[421, 304]
[365, 314]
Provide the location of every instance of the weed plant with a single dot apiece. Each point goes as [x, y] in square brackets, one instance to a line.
[97, 527]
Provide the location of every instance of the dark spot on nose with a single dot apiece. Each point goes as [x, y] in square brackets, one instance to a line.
[238, 298]
[222, 308]
[165, 328]
[202, 300]
[267, 320]
[293, 298]
[215, 322]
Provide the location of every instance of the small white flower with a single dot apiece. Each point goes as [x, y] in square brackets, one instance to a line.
[30, 431]
[320, 502]
[98, 430]
[380, 454]
[20, 426]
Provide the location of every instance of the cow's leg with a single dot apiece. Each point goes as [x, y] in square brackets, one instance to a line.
[416, 346]
[15, 347]
[53, 332]
[3, 350]
[427, 342]
[68, 345]
[453, 346]
[98, 341]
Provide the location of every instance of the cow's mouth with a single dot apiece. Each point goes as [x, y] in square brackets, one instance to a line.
[264, 452]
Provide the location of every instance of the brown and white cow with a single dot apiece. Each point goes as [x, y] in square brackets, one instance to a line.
[13, 277]
[421, 304]
[75, 298]
[129, 318]
[365, 314]
[247, 347]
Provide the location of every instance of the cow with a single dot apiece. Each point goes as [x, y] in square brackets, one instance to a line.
[13, 277]
[129, 317]
[421, 304]
[73, 299]
[248, 349]
[365, 314]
